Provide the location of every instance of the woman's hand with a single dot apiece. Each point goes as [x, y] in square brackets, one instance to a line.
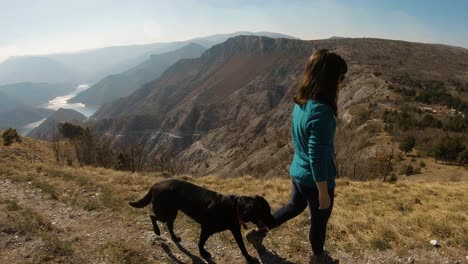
[324, 197]
[324, 200]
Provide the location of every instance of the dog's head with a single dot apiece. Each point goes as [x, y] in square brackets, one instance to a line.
[256, 210]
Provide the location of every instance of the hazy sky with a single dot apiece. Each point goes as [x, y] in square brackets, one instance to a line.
[47, 26]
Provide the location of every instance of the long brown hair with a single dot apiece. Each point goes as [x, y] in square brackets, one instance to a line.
[322, 75]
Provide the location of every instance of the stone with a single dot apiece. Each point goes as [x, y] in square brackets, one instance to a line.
[435, 243]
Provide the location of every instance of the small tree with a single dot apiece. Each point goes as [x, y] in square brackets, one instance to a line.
[407, 144]
[122, 162]
[462, 158]
[32, 154]
[9, 136]
[105, 155]
[449, 149]
[71, 131]
[407, 170]
[132, 156]
[384, 162]
[56, 147]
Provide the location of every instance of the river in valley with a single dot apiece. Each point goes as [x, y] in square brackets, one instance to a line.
[62, 102]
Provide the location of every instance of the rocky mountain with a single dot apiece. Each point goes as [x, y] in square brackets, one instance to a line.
[35, 94]
[46, 129]
[91, 66]
[115, 86]
[20, 117]
[229, 110]
[212, 40]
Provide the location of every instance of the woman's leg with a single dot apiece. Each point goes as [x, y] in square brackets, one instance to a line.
[296, 205]
[318, 221]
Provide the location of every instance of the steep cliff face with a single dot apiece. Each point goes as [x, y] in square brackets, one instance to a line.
[229, 110]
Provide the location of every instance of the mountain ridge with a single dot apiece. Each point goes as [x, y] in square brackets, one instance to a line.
[47, 130]
[91, 65]
[119, 85]
[232, 105]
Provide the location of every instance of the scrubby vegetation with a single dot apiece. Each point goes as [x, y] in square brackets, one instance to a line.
[369, 218]
[407, 144]
[451, 149]
[431, 92]
[9, 136]
[74, 142]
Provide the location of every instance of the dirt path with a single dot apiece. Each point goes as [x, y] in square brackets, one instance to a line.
[93, 232]
[97, 236]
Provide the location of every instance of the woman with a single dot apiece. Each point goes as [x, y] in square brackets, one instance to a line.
[313, 168]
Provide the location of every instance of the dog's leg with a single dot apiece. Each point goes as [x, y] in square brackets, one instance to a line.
[204, 235]
[240, 242]
[154, 220]
[170, 227]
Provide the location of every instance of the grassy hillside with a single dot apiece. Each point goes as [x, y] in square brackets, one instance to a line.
[75, 215]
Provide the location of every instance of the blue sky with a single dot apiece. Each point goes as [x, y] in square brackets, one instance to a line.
[49, 26]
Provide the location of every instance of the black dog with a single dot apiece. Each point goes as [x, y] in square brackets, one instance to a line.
[215, 212]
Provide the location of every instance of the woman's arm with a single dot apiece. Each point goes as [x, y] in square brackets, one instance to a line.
[319, 144]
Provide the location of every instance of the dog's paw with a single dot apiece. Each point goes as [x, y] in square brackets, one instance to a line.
[205, 254]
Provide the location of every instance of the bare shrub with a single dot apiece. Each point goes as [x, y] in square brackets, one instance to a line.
[131, 156]
[167, 163]
[9, 136]
[383, 163]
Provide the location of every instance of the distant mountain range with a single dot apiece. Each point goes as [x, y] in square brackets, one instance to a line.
[20, 117]
[92, 65]
[8, 102]
[115, 86]
[35, 69]
[45, 130]
[32, 81]
[35, 94]
[228, 111]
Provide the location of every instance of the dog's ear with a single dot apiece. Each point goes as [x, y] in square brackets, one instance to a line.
[263, 212]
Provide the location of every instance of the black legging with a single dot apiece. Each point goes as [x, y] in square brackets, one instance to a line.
[301, 196]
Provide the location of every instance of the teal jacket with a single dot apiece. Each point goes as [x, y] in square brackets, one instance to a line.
[313, 130]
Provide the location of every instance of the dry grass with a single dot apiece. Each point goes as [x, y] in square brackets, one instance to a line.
[26, 222]
[118, 252]
[368, 216]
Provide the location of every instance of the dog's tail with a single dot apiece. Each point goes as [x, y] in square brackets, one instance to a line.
[143, 201]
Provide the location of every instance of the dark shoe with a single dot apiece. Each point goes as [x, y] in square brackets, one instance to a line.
[324, 258]
[255, 237]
